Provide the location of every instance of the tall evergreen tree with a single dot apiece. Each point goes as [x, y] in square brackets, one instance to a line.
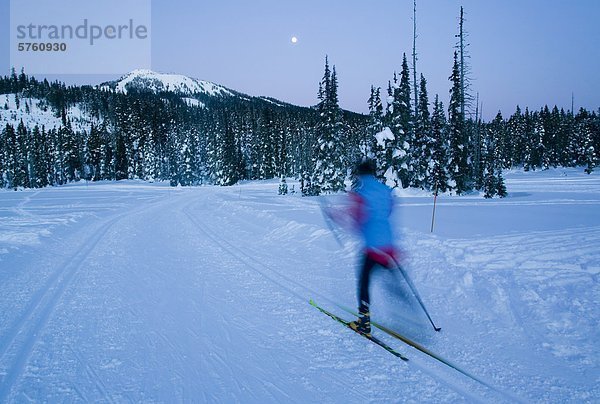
[39, 154]
[21, 157]
[516, 134]
[538, 148]
[459, 148]
[492, 181]
[266, 143]
[228, 163]
[439, 159]
[329, 165]
[94, 147]
[422, 152]
[402, 126]
[587, 152]
[11, 157]
[369, 146]
[528, 136]
[121, 165]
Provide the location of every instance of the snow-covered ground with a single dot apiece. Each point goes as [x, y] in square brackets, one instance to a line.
[118, 292]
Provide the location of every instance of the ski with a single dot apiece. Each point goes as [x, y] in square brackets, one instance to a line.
[369, 337]
[421, 348]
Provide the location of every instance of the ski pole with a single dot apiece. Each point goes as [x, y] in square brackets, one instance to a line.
[412, 287]
[328, 222]
[414, 290]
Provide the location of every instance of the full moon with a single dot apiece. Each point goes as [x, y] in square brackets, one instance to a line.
[294, 39]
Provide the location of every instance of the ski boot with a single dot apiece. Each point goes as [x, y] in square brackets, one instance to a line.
[363, 324]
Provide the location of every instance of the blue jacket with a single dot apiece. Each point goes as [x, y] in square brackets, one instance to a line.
[373, 203]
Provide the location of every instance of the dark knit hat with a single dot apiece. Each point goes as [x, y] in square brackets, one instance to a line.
[366, 167]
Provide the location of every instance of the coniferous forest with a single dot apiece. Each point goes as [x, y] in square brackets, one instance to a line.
[152, 135]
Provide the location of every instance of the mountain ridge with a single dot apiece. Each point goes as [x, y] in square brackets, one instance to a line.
[185, 86]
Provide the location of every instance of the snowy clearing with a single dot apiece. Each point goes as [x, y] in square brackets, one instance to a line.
[129, 291]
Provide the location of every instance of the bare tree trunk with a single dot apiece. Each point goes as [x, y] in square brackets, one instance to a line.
[462, 67]
[414, 56]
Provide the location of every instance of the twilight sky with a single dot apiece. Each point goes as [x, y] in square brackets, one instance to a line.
[531, 52]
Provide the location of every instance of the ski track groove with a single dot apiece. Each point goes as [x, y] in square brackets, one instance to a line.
[220, 243]
[39, 311]
[93, 376]
[40, 308]
[226, 246]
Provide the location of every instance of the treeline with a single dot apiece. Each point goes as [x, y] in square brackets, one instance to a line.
[156, 137]
[430, 148]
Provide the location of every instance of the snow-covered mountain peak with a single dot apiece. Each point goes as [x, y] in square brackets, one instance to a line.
[158, 82]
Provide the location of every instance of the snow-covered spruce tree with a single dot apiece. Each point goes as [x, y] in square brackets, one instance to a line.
[402, 126]
[27, 153]
[527, 153]
[35, 158]
[538, 149]
[439, 159]
[266, 141]
[492, 181]
[547, 138]
[552, 126]
[460, 171]
[586, 152]
[384, 142]
[240, 163]
[11, 157]
[121, 131]
[294, 150]
[564, 128]
[422, 152]
[3, 165]
[94, 152]
[108, 154]
[200, 138]
[139, 130]
[595, 136]
[515, 132]
[494, 132]
[228, 155]
[151, 159]
[120, 157]
[188, 161]
[329, 168]
[74, 148]
[379, 142]
[245, 133]
[51, 157]
[368, 145]
[21, 172]
[40, 164]
[282, 161]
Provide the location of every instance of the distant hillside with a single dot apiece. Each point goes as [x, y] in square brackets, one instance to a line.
[153, 126]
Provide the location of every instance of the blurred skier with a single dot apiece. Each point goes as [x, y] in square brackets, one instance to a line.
[370, 208]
